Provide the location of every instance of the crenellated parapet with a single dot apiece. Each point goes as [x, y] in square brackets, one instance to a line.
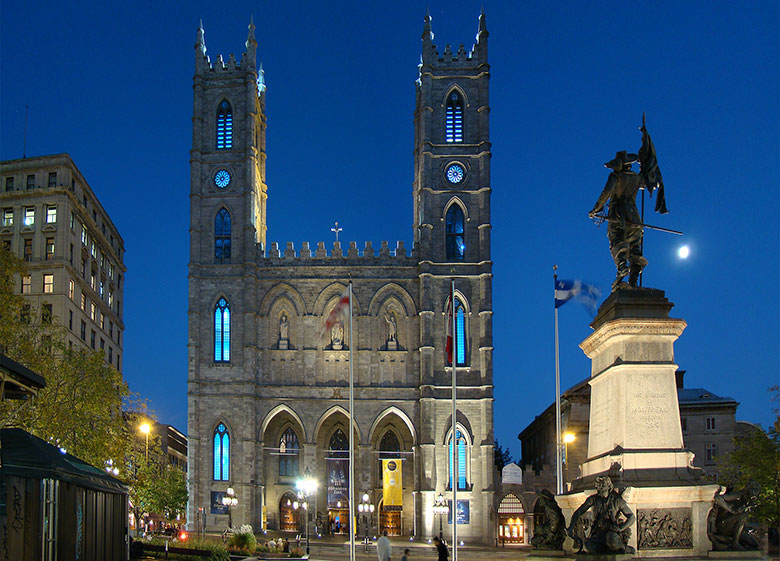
[460, 58]
[248, 60]
[398, 255]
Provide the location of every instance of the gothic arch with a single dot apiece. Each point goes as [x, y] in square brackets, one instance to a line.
[278, 291]
[461, 92]
[455, 200]
[459, 296]
[463, 424]
[328, 296]
[336, 409]
[388, 291]
[282, 407]
[392, 410]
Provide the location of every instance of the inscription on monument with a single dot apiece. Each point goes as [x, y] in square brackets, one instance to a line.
[665, 528]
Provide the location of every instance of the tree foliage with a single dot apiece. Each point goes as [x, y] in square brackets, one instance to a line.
[80, 409]
[757, 457]
[501, 456]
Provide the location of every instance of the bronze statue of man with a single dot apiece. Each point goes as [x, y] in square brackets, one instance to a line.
[612, 520]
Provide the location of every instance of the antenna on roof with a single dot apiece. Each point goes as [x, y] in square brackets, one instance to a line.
[24, 148]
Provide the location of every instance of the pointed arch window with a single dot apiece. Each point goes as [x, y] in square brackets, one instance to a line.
[224, 126]
[288, 453]
[222, 331]
[338, 445]
[456, 241]
[389, 447]
[453, 125]
[463, 460]
[222, 230]
[221, 453]
[460, 332]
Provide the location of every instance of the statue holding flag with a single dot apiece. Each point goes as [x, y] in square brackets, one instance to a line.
[626, 227]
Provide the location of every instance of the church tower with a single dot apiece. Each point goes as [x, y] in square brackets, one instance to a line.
[452, 235]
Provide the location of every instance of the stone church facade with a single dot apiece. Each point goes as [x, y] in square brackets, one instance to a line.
[267, 394]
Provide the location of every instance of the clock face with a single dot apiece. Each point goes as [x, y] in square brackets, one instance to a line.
[455, 173]
[222, 179]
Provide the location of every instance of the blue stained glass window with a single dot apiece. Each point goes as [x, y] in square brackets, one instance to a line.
[455, 242]
[453, 120]
[221, 453]
[222, 331]
[222, 230]
[460, 331]
[461, 440]
[224, 126]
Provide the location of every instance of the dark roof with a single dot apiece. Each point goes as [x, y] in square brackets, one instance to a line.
[694, 396]
[22, 380]
[27, 456]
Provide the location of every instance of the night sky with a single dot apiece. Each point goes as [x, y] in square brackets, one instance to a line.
[110, 83]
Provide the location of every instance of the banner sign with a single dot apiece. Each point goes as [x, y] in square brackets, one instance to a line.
[216, 503]
[463, 511]
[338, 486]
[392, 485]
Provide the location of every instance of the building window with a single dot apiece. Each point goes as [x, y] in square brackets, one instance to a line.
[460, 331]
[84, 235]
[92, 311]
[72, 220]
[102, 288]
[51, 214]
[53, 179]
[70, 320]
[24, 315]
[453, 125]
[83, 301]
[110, 298]
[92, 249]
[288, 454]
[456, 244]
[49, 248]
[222, 331]
[110, 354]
[48, 284]
[111, 329]
[221, 453]
[9, 184]
[28, 249]
[222, 237]
[8, 217]
[102, 343]
[712, 452]
[46, 313]
[224, 126]
[111, 271]
[84, 269]
[710, 423]
[462, 460]
[29, 216]
[83, 332]
[30, 182]
[92, 281]
[71, 287]
[92, 338]
[26, 283]
[117, 362]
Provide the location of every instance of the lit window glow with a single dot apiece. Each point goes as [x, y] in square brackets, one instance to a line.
[222, 331]
[221, 453]
[224, 126]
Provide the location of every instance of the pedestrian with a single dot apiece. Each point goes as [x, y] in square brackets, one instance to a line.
[383, 549]
[441, 549]
[405, 556]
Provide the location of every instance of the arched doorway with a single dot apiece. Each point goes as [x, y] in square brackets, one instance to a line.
[288, 516]
[511, 520]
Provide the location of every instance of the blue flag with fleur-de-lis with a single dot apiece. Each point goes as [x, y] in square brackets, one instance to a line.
[585, 293]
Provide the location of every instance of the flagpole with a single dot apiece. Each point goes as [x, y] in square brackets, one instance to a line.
[558, 468]
[455, 472]
[351, 436]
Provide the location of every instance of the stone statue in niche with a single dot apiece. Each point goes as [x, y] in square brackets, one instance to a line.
[549, 524]
[337, 336]
[284, 325]
[612, 520]
[726, 521]
[392, 331]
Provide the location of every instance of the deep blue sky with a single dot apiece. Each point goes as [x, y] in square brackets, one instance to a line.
[110, 83]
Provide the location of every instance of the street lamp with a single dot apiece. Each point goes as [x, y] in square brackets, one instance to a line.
[145, 428]
[365, 508]
[230, 500]
[441, 508]
[568, 438]
[306, 488]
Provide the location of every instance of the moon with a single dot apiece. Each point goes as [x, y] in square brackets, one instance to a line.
[684, 252]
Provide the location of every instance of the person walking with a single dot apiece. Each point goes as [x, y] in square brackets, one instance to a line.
[441, 549]
[383, 549]
[405, 556]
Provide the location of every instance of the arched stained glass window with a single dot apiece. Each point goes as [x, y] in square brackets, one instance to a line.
[453, 125]
[460, 331]
[222, 331]
[456, 241]
[389, 447]
[288, 453]
[224, 126]
[222, 231]
[339, 445]
[462, 460]
[221, 453]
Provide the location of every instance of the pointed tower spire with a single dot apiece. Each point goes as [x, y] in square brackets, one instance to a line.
[251, 44]
[260, 79]
[481, 48]
[428, 51]
[482, 25]
[200, 48]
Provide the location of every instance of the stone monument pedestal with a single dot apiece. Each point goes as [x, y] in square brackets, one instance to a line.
[635, 435]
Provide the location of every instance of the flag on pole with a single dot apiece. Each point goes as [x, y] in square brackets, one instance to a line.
[335, 313]
[585, 293]
[448, 345]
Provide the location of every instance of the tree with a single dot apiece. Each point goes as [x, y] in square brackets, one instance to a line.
[757, 457]
[169, 490]
[501, 456]
[80, 409]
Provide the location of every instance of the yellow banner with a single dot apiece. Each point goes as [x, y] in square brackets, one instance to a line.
[392, 485]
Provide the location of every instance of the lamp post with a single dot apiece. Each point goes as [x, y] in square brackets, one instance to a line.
[568, 438]
[145, 428]
[230, 500]
[306, 488]
[365, 508]
[441, 508]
